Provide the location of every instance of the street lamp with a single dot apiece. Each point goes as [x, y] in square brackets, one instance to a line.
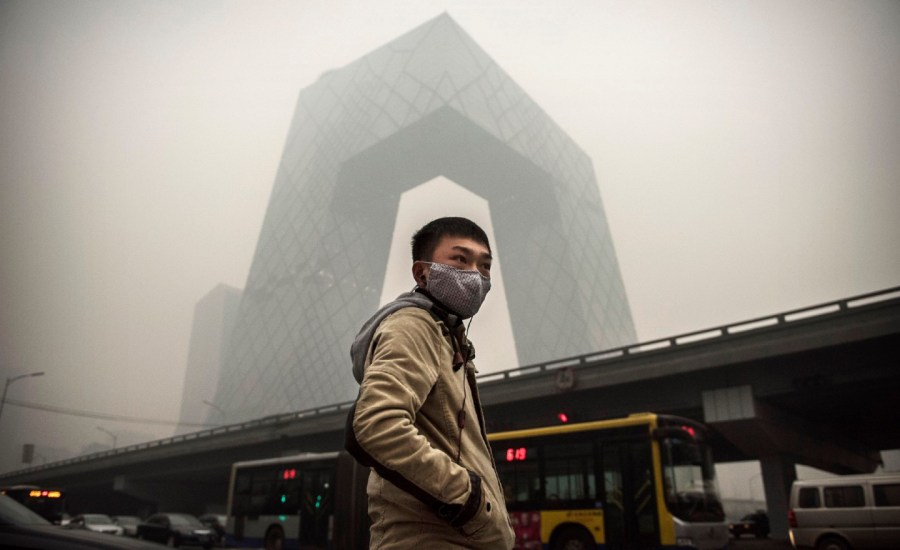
[10, 380]
[110, 434]
[214, 406]
[750, 484]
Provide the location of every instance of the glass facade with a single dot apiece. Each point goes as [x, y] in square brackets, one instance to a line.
[431, 103]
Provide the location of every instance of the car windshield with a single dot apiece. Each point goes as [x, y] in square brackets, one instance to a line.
[14, 513]
[690, 480]
[97, 519]
[183, 520]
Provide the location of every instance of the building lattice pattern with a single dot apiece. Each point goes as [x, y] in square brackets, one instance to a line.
[431, 103]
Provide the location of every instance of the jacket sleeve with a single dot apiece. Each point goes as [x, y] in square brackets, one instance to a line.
[405, 356]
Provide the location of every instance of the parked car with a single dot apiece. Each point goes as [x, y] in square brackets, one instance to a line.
[128, 523]
[98, 523]
[22, 528]
[175, 530]
[756, 524]
[216, 522]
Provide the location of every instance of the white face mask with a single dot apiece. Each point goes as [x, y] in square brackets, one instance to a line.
[461, 291]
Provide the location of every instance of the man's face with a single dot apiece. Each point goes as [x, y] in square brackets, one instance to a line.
[459, 252]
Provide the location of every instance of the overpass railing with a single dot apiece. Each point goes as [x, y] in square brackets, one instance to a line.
[274, 419]
[724, 331]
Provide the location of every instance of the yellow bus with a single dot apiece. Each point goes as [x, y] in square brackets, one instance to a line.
[642, 482]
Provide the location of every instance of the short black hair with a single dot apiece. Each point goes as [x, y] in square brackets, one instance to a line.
[425, 241]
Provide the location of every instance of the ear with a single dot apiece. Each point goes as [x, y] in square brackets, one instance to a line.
[420, 273]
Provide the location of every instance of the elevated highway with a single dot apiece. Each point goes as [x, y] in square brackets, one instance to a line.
[816, 386]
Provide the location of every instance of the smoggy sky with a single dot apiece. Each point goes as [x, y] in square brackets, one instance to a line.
[747, 153]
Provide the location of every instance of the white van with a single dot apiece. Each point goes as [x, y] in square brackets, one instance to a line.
[846, 513]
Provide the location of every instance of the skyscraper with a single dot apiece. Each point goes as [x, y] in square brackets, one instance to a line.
[214, 318]
[430, 103]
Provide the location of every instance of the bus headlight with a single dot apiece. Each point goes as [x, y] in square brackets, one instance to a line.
[685, 542]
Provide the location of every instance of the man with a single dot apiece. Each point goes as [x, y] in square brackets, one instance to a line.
[417, 420]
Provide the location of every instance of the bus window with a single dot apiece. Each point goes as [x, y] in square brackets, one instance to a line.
[518, 470]
[241, 502]
[569, 480]
[260, 501]
[287, 496]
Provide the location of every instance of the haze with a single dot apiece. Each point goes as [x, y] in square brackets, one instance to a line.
[747, 153]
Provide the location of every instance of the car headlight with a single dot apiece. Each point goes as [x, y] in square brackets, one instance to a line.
[684, 541]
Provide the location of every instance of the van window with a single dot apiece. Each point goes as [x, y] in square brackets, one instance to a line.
[887, 495]
[849, 496]
[808, 498]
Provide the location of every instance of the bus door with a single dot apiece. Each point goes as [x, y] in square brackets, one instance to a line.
[629, 511]
[351, 518]
[317, 508]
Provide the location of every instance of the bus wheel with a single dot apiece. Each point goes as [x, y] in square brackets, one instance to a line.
[832, 543]
[274, 538]
[573, 538]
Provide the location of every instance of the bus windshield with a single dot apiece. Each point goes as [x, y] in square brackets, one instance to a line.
[690, 481]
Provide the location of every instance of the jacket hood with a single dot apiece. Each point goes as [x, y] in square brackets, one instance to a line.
[414, 298]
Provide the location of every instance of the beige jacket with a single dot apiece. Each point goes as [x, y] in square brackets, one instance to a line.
[405, 425]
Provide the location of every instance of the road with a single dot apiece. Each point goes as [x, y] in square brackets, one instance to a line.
[759, 544]
[746, 544]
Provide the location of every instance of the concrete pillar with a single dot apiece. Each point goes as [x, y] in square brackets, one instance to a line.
[778, 473]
